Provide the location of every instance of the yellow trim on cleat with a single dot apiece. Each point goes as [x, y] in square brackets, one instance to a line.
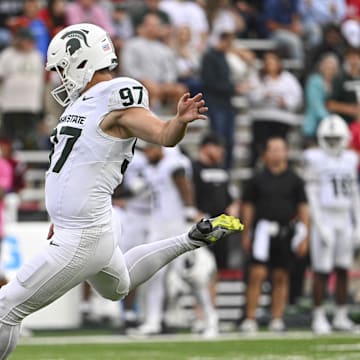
[227, 222]
[209, 231]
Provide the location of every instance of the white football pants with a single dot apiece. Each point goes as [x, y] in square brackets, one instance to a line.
[73, 256]
[339, 251]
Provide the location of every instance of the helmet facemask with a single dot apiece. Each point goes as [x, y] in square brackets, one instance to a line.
[70, 89]
[332, 144]
[333, 135]
[75, 54]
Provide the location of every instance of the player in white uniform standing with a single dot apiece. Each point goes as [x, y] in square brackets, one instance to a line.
[93, 143]
[171, 191]
[331, 183]
[136, 215]
[168, 175]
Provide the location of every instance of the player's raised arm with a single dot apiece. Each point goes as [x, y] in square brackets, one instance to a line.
[142, 123]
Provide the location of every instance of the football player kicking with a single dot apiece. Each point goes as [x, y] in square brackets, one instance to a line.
[333, 194]
[93, 144]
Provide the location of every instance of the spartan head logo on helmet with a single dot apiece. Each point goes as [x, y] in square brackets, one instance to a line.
[75, 37]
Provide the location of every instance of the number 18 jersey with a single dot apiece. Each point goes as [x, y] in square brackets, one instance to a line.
[86, 164]
[335, 177]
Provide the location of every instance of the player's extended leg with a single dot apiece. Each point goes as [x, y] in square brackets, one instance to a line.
[144, 260]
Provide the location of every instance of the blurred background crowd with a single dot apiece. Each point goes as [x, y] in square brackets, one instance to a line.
[268, 69]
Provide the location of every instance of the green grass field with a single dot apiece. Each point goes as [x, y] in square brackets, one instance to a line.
[292, 346]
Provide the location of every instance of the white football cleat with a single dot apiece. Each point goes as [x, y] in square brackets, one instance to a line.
[249, 326]
[211, 330]
[277, 325]
[342, 323]
[320, 325]
[146, 329]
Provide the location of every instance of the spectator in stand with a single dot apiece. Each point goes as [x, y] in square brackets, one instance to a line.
[345, 96]
[122, 23]
[124, 29]
[210, 177]
[188, 13]
[333, 42]
[317, 90]
[284, 26]
[252, 13]
[5, 185]
[351, 26]
[152, 7]
[188, 60]
[9, 10]
[89, 11]
[31, 20]
[315, 14]
[18, 167]
[275, 212]
[149, 7]
[275, 97]
[54, 16]
[218, 90]
[222, 18]
[153, 63]
[21, 73]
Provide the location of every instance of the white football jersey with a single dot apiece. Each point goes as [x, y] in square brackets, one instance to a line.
[139, 203]
[167, 204]
[86, 165]
[335, 176]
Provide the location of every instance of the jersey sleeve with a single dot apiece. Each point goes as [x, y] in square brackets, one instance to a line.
[176, 168]
[311, 171]
[300, 194]
[250, 191]
[127, 93]
[355, 158]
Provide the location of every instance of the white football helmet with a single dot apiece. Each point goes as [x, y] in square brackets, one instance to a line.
[76, 52]
[333, 134]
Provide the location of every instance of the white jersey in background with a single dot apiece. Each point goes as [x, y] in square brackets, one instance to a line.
[331, 183]
[134, 180]
[167, 204]
[86, 165]
[335, 177]
[167, 217]
[136, 212]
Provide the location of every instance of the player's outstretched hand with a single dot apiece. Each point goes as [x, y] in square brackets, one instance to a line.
[190, 109]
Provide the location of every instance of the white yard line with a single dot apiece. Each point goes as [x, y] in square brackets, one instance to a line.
[338, 347]
[122, 339]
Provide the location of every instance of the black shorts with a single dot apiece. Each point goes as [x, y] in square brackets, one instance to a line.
[280, 254]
